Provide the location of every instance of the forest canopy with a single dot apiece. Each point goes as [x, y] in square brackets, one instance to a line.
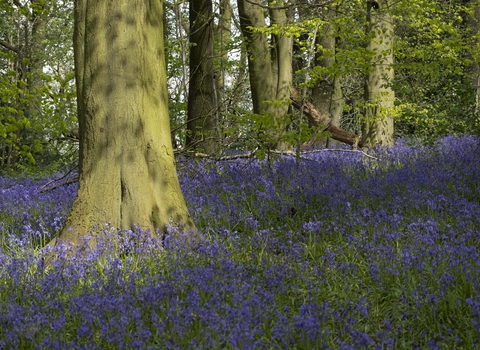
[422, 55]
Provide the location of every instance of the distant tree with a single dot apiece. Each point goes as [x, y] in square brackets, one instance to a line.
[127, 173]
[202, 118]
[176, 29]
[435, 54]
[379, 96]
[223, 39]
[327, 95]
[270, 67]
[37, 101]
[472, 35]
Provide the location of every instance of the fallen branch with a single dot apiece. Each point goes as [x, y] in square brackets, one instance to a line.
[322, 120]
[47, 187]
[222, 158]
[341, 150]
[251, 154]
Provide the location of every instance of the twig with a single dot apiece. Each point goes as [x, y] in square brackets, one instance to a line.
[290, 153]
[47, 186]
[341, 150]
[270, 7]
[222, 158]
[8, 46]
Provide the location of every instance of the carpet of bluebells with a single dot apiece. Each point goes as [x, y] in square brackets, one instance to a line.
[338, 251]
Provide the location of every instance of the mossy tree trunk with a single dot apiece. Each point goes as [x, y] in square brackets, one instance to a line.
[127, 174]
[202, 100]
[377, 128]
[269, 66]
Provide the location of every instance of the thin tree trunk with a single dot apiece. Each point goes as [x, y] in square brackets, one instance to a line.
[202, 106]
[282, 54]
[270, 69]
[223, 37]
[327, 94]
[36, 54]
[377, 128]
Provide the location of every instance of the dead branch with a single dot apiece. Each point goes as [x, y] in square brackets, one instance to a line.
[341, 150]
[8, 46]
[48, 186]
[322, 121]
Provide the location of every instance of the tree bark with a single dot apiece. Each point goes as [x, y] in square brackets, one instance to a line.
[377, 128]
[127, 174]
[270, 69]
[202, 106]
[327, 95]
[223, 38]
[36, 53]
[322, 121]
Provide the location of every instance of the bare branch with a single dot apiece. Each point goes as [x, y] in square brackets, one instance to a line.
[8, 46]
[269, 7]
[287, 153]
[18, 3]
[48, 186]
[341, 150]
[232, 157]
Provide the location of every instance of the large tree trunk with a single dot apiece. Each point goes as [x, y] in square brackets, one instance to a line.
[127, 174]
[202, 106]
[377, 128]
[270, 69]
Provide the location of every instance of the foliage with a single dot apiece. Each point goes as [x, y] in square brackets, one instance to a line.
[37, 82]
[434, 51]
[339, 251]
[176, 53]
